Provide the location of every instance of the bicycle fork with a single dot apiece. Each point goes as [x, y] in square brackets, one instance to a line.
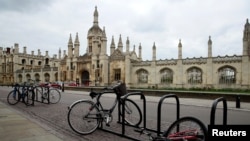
[104, 115]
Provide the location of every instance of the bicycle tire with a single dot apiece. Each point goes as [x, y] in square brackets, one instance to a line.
[54, 96]
[77, 117]
[13, 97]
[184, 124]
[133, 114]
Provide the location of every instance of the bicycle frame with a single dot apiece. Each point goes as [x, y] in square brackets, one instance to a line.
[16, 90]
[95, 112]
[102, 111]
[20, 93]
[100, 106]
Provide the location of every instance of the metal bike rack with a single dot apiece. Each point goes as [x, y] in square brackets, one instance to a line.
[42, 101]
[144, 109]
[159, 110]
[122, 134]
[213, 109]
[122, 120]
[158, 131]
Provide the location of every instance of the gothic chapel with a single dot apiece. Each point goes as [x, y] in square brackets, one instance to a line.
[96, 68]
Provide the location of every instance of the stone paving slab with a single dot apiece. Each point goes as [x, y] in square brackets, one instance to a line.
[16, 127]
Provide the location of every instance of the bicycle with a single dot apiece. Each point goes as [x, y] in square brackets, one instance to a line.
[84, 116]
[25, 95]
[46, 92]
[184, 129]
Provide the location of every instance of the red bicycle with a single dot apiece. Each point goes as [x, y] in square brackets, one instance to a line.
[183, 129]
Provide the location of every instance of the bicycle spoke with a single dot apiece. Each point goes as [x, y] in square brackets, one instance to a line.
[81, 119]
[133, 115]
[54, 96]
[187, 128]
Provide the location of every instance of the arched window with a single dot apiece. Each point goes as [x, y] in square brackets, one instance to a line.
[47, 61]
[47, 77]
[227, 75]
[37, 77]
[166, 76]
[20, 78]
[39, 63]
[23, 62]
[194, 75]
[142, 76]
[27, 77]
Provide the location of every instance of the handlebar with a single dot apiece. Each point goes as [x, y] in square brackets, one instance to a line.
[119, 89]
[112, 87]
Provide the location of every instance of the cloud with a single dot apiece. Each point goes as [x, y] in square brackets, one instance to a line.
[23, 5]
[47, 24]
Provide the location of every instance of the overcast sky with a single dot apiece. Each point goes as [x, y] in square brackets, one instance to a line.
[47, 24]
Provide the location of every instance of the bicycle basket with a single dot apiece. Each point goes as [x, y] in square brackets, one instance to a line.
[121, 89]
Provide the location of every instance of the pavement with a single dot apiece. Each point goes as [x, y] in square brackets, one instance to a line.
[15, 126]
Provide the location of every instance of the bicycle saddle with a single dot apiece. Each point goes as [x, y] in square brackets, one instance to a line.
[93, 94]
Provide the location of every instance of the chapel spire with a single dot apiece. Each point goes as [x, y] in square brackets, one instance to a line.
[112, 45]
[120, 45]
[77, 39]
[70, 40]
[95, 16]
[179, 49]
[209, 47]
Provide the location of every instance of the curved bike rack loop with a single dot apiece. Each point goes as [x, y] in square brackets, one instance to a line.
[159, 110]
[144, 109]
[213, 109]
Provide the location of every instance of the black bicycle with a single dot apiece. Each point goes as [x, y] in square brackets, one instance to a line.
[84, 116]
[22, 93]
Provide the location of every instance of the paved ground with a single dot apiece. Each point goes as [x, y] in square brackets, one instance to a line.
[15, 126]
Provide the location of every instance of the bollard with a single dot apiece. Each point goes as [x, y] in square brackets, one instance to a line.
[237, 101]
[62, 87]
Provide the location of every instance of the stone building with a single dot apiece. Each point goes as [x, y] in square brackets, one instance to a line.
[96, 67]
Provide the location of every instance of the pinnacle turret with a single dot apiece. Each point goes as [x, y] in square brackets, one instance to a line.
[70, 40]
[77, 39]
[209, 47]
[209, 41]
[112, 45]
[104, 32]
[120, 45]
[180, 49]
[154, 52]
[179, 45]
[95, 16]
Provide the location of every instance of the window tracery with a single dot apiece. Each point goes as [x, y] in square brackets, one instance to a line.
[227, 75]
[166, 76]
[194, 75]
[142, 76]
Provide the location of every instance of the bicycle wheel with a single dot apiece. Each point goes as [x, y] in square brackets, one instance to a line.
[133, 115]
[83, 118]
[188, 129]
[54, 96]
[13, 97]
